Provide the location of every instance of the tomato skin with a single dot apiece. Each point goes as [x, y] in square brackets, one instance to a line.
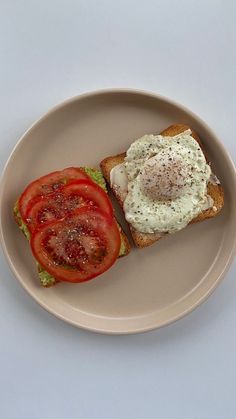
[69, 198]
[89, 191]
[47, 184]
[91, 225]
[42, 210]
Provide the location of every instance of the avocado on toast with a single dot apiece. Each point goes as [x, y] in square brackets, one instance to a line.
[45, 278]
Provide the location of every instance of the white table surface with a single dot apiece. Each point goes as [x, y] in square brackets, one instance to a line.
[49, 51]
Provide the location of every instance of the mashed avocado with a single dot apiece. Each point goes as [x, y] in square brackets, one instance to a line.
[96, 176]
[46, 279]
[20, 222]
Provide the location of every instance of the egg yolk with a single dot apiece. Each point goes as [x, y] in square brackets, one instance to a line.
[163, 177]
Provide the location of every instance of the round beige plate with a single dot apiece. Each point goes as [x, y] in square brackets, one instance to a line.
[151, 287]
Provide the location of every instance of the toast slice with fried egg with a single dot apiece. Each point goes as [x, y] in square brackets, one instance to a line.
[214, 189]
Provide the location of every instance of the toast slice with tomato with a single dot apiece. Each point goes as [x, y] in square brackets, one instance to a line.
[46, 279]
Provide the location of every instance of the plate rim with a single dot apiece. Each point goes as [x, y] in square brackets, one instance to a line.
[47, 114]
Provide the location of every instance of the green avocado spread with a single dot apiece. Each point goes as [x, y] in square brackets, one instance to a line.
[46, 279]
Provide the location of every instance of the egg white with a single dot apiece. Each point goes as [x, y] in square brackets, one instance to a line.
[149, 215]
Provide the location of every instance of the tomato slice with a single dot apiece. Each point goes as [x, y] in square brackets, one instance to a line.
[72, 196]
[88, 193]
[45, 209]
[79, 247]
[47, 184]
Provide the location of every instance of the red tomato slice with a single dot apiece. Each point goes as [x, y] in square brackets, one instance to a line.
[45, 209]
[47, 184]
[72, 196]
[79, 247]
[90, 193]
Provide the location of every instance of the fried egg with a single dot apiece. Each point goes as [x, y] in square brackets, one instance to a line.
[163, 182]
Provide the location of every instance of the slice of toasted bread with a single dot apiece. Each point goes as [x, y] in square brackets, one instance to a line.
[214, 190]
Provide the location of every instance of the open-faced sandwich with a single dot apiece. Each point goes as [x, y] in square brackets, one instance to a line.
[69, 221]
[163, 183]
